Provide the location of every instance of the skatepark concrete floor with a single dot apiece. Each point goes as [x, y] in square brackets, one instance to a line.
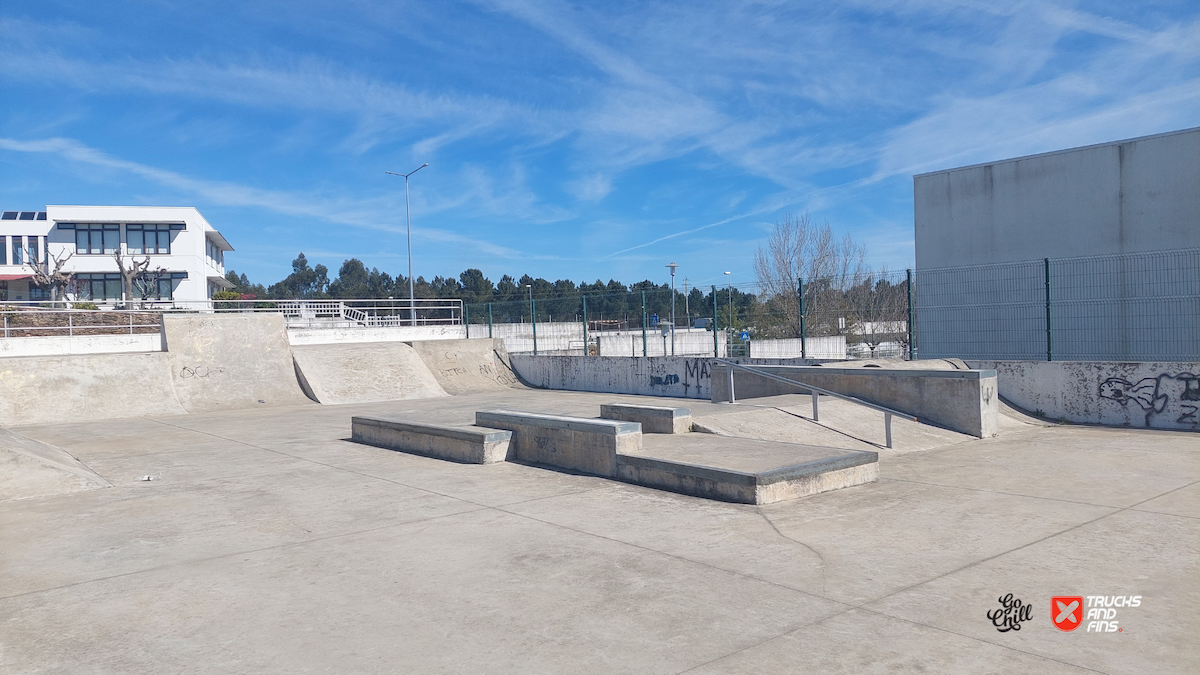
[265, 542]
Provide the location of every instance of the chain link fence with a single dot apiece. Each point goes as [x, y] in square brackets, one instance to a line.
[1128, 307]
[1131, 307]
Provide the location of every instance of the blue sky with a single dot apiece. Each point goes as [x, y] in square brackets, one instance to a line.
[575, 141]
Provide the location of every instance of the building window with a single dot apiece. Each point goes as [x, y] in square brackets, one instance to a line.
[35, 255]
[97, 239]
[149, 239]
[16, 251]
[98, 286]
[4, 251]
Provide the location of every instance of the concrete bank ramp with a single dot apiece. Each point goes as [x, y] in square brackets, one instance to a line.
[364, 372]
[80, 387]
[467, 366]
[30, 468]
[231, 361]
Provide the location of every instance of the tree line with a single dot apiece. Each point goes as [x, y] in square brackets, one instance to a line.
[509, 297]
[841, 294]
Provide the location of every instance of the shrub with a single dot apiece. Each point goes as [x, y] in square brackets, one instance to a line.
[84, 305]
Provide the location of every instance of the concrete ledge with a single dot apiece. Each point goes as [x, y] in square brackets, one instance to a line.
[765, 487]
[654, 419]
[961, 400]
[576, 443]
[469, 445]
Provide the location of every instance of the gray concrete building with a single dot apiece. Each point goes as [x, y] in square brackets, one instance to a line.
[1136, 195]
[1087, 254]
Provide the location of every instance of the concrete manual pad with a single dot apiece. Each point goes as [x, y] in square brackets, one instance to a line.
[743, 470]
[469, 445]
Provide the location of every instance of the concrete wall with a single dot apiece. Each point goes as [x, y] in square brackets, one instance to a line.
[1127, 196]
[674, 376]
[1155, 395]
[962, 400]
[688, 342]
[831, 347]
[40, 389]
[80, 344]
[326, 336]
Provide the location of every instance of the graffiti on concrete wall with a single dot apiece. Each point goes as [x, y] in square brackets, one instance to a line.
[695, 375]
[1176, 396]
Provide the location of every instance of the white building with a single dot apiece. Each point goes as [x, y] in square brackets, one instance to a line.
[178, 240]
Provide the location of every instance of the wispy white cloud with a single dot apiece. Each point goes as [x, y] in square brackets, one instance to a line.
[354, 213]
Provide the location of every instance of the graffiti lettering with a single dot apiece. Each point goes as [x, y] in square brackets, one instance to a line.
[656, 381]
[694, 370]
[1153, 395]
[199, 371]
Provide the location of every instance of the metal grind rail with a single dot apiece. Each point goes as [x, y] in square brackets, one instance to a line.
[887, 412]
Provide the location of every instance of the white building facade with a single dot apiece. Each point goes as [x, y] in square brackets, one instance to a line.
[187, 254]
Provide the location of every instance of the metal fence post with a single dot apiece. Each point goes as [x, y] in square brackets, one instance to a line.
[716, 349]
[912, 348]
[803, 327]
[467, 319]
[643, 323]
[533, 311]
[489, 320]
[1049, 345]
[585, 331]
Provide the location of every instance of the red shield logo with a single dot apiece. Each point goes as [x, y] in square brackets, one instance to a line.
[1066, 612]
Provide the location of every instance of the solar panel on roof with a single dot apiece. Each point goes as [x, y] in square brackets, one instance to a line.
[41, 215]
[28, 215]
[9, 215]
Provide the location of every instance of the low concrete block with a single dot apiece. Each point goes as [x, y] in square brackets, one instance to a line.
[576, 443]
[765, 487]
[470, 445]
[654, 419]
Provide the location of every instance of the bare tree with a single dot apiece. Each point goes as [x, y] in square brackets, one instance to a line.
[797, 249]
[137, 273]
[879, 309]
[57, 279]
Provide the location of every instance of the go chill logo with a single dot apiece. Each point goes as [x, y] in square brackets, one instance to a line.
[1097, 612]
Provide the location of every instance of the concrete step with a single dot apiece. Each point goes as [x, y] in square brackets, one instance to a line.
[653, 418]
[575, 443]
[466, 444]
[743, 470]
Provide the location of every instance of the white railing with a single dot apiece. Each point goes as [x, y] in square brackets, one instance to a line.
[307, 313]
[41, 322]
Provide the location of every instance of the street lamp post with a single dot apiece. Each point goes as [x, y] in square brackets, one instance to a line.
[412, 302]
[672, 266]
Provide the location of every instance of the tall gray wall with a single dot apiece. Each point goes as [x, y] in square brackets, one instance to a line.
[1142, 194]
[1120, 225]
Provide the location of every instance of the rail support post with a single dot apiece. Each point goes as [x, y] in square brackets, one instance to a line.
[732, 399]
[816, 401]
[887, 428]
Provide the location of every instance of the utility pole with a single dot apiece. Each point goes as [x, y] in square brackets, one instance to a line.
[686, 305]
[672, 266]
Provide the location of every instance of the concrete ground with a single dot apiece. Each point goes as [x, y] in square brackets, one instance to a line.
[269, 543]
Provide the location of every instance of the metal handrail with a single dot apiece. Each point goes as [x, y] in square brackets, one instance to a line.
[887, 412]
